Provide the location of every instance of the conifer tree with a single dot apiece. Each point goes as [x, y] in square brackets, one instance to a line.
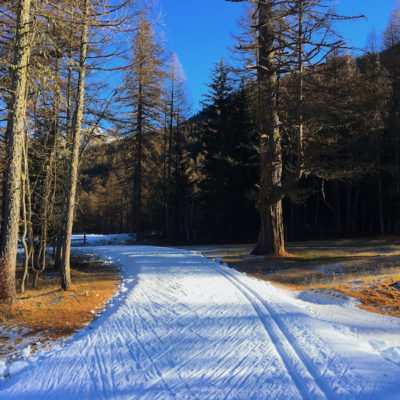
[141, 97]
[14, 139]
[175, 113]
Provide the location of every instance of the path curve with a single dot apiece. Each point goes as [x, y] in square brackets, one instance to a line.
[185, 327]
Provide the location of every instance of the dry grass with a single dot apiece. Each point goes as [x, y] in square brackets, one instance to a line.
[49, 313]
[377, 294]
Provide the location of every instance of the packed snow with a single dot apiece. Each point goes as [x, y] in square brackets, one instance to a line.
[187, 327]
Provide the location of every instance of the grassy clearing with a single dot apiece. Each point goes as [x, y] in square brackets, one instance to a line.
[368, 270]
[47, 314]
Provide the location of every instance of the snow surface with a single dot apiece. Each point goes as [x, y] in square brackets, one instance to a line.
[186, 327]
[103, 240]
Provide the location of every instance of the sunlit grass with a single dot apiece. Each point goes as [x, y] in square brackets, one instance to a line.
[53, 313]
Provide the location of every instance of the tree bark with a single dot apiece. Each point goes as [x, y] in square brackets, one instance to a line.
[271, 236]
[14, 138]
[76, 140]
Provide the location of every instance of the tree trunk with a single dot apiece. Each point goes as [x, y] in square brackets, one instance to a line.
[138, 175]
[338, 209]
[26, 216]
[348, 209]
[76, 140]
[380, 205]
[169, 163]
[300, 95]
[271, 237]
[14, 138]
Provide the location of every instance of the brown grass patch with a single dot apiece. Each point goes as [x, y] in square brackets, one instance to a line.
[376, 294]
[49, 313]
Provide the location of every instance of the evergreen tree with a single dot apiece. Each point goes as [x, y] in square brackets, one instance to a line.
[229, 156]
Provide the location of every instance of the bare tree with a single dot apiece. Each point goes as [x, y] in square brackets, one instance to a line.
[72, 177]
[142, 99]
[14, 138]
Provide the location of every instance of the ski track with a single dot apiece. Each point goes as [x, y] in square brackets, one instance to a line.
[185, 327]
[302, 373]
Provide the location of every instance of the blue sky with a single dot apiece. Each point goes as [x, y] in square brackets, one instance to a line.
[200, 31]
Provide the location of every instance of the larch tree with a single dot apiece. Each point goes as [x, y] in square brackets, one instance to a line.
[141, 100]
[94, 21]
[72, 176]
[268, 14]
[290, 36]
[391, 35]
[175, 112]
[14, 139]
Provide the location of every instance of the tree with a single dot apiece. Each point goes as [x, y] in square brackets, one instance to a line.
[14, 138]
[290, 36]
[175, 113]
[141, 99]
[271, 236]
[391, 35]
[72, 177]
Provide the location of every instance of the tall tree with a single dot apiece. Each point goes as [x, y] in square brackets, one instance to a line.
[14, 138]
[72, 176]
[291, 35]
[175, 112]
[391, 35]
[141, 98]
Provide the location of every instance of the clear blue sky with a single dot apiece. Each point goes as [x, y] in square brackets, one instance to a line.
[200, 31]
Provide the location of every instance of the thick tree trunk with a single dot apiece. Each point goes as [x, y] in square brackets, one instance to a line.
[271, 237]
[76, 140]
[14, 138]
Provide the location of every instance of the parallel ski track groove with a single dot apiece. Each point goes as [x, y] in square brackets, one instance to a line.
[274, 333]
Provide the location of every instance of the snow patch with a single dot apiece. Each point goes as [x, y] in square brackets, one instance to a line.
[326, 297]
[26, 352]
[392, 354]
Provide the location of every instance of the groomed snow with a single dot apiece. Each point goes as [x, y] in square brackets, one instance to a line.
[185, 327]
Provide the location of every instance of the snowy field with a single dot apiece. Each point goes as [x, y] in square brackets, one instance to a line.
[186, 327]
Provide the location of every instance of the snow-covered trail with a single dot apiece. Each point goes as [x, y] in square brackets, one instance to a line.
[185, 327]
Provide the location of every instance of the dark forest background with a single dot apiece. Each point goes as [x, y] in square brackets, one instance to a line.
[351, 186]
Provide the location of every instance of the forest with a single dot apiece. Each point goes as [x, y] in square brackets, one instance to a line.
[297, 138]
